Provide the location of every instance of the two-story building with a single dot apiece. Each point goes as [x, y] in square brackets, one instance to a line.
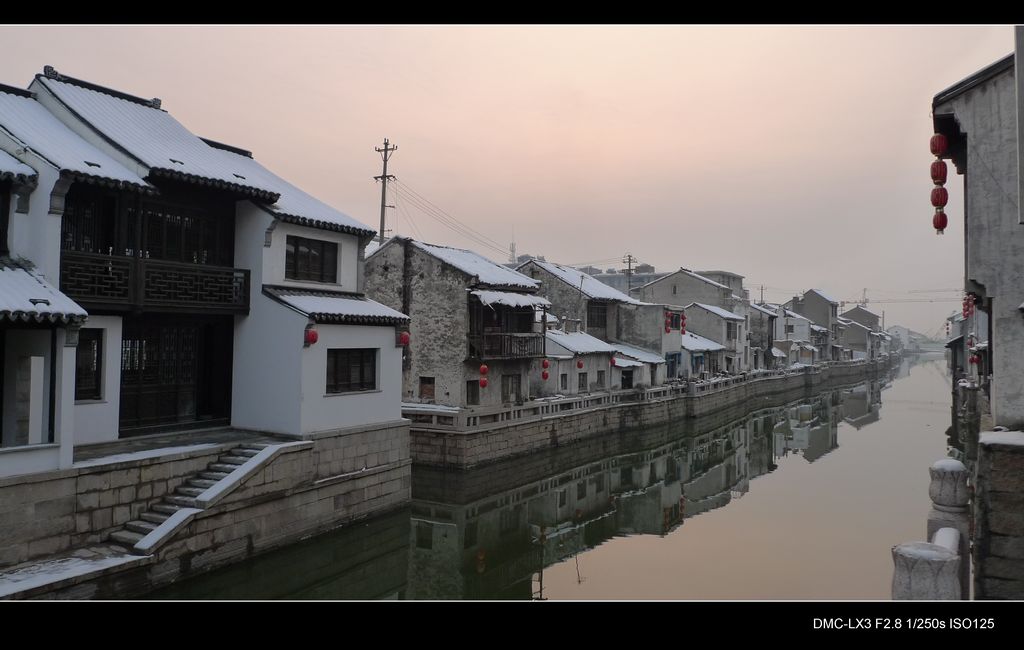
[217, 292]
[822, 310]
[474, 330]
[721, 326]
[761, 322]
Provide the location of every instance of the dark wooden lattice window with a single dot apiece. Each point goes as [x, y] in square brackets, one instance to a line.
[89, 365]
[310, 259]
[597, 314]
[351, 370]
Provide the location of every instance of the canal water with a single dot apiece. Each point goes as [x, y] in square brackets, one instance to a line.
[796, 501]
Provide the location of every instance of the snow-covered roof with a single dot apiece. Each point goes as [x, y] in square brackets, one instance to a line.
[293, 204]
[818, 328]
[510, 298]
[579, 342]
[853, 323]
[763, 310]
[29, 123]
[150, 135]
[587, 284]
[792, 314]
[336, 307]
[625, 362]
[486, 271]
[778, 353]
[539, 315]
[697, 343]
[718, 311]
[11, 167]
[808, 346]
[639, 354]
[27, 296]
[689, 273]
[824, 295]
[863, 309]
[435, 408]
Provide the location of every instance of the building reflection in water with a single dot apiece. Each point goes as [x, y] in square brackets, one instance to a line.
[490, 532]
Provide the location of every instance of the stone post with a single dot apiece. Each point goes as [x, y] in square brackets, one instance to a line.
[950, 496]
[925, 571]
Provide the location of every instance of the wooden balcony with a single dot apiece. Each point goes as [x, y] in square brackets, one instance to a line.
[519, 345]
[117, 282]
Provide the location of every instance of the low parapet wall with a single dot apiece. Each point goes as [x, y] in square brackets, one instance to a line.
[523, 431]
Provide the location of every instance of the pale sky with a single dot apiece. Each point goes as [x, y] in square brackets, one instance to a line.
[795, 156]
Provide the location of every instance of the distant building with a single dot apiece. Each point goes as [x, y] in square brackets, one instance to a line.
[822, 310]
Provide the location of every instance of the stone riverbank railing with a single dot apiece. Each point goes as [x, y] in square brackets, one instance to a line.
[939, 569]
[455, 419]
[466, 437]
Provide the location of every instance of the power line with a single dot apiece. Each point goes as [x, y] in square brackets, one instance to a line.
[449, 222]
[430, 203]
[444, 219]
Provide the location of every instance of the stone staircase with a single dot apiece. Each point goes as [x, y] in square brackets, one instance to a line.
[184, 496]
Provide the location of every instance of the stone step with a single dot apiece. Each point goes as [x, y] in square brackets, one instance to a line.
[201, 483]
[232, 460]
[213, 476]
[139, 526]
[126, 537]
[222, 467]
[189, 491]
[249, 453]
[154, 517]
[183, 501]
[166, 508]
[254, 445]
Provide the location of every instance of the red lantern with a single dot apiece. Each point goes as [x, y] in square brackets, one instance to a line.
[940, 197]
[973, 359]
[403, 338]
[939, 222]
[668, 330]
[544, 375]
[682, 330]
[484, 369]
[613, 361]
[545, 364]
[311, 337]
[938, 144]
[939, 172]
[579, 363]
[483, 382]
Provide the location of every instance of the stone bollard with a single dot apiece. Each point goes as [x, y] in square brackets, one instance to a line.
[925, 571]
[950, 497]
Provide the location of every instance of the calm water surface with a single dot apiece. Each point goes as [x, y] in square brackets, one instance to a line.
[799, 501]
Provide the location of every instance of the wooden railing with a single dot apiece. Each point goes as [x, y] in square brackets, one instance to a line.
[522, 345]
[118, 281]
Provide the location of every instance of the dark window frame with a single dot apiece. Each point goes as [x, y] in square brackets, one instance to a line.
[310, 260]
[597, 314]
[340, 359]
[91, 391]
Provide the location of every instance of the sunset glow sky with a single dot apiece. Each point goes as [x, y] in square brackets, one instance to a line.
[795, 156]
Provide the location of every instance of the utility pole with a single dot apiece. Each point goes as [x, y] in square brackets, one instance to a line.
[629, 261]
[762, 294]
[385, 154]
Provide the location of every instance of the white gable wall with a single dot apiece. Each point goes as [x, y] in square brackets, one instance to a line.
[266, 372]
[274, 256]
[35, 235]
